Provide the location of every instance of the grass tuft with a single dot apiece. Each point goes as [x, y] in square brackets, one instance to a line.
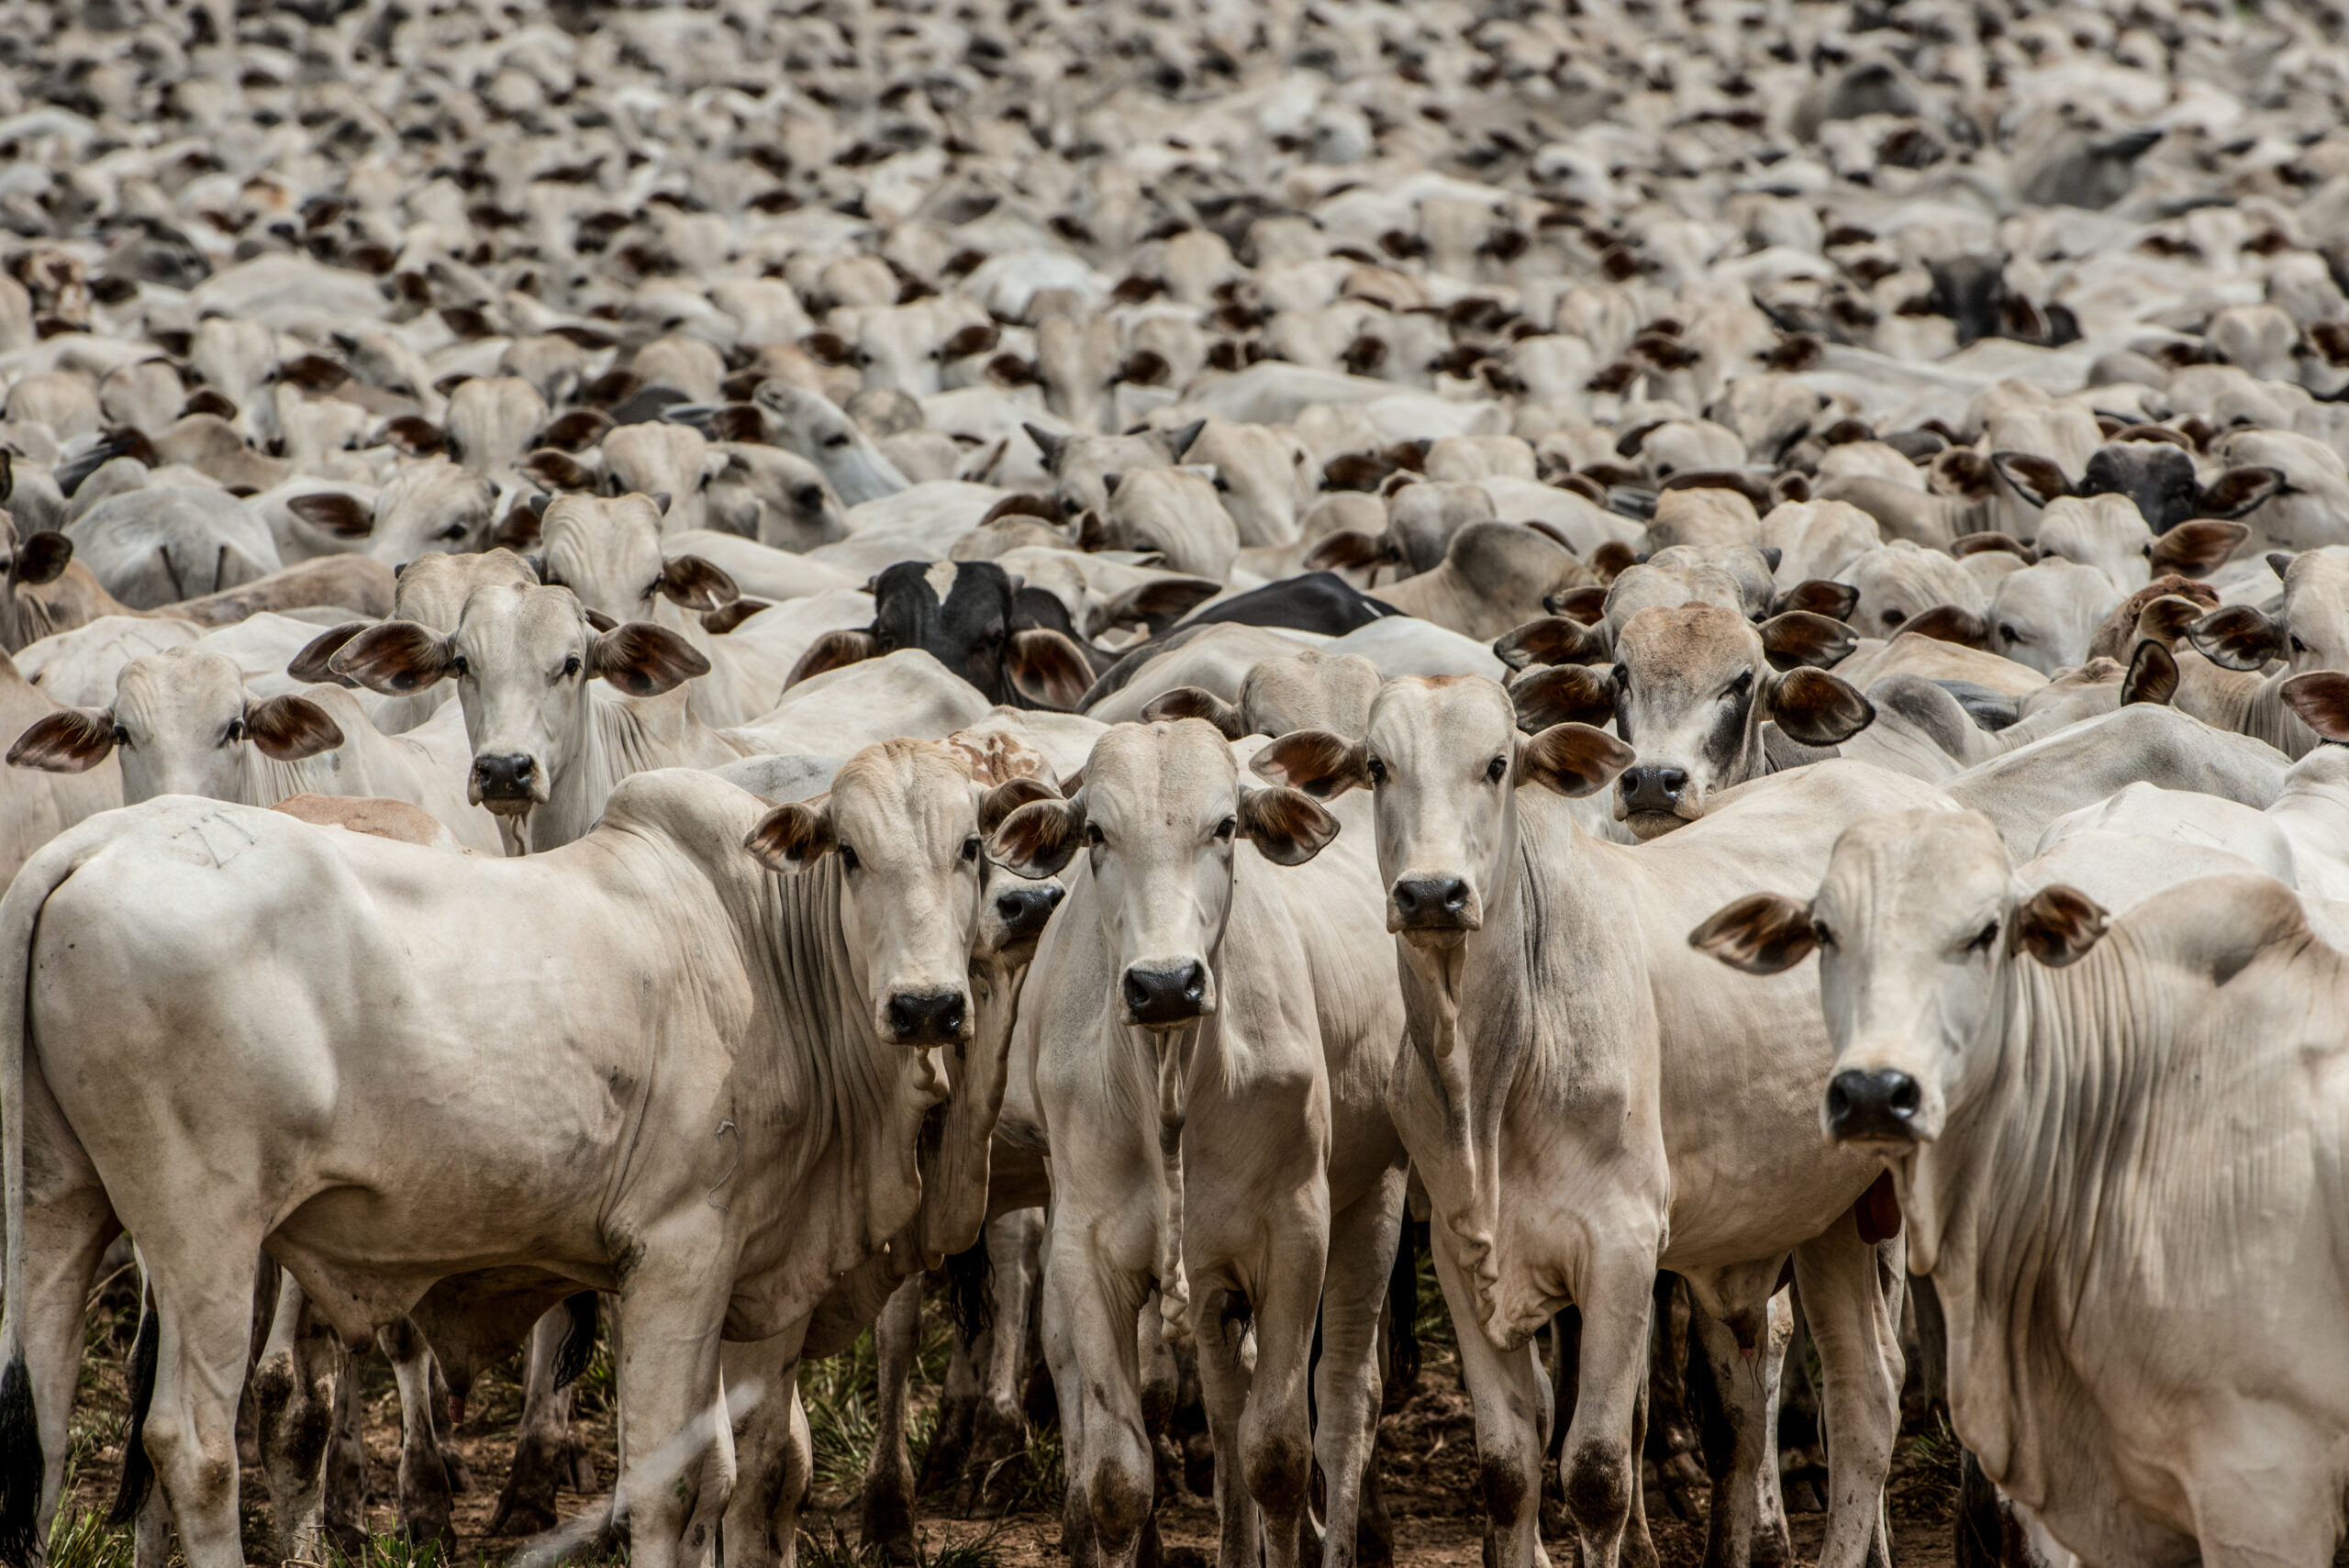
[982, 1550]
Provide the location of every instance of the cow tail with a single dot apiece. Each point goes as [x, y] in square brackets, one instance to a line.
[578, 1346]
[969, 1273]
[21, 1462]
[138, 1470]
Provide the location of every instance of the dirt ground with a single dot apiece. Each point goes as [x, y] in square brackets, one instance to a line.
[1430, 1469]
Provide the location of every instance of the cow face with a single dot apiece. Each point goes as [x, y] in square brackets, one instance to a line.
[814, 428]
[521, 658]
[182, 724]
[429, 504]
[30, 559]
[965, 615]
[902, 823]
[1445, 760]
[1914, 924]
[2310, 631]
[1159, 817]
[609, 553]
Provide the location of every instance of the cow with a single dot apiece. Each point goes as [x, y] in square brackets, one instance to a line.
[974, 618]
[2137, 1416]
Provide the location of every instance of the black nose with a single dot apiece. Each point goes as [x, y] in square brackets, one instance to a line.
[1431, 902]
[505, 776]
[1653, 789]
[1871, 1105]
[926, 1017]
[1025, 909]
[1172, 994]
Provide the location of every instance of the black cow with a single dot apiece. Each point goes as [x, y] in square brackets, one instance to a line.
[986, 630]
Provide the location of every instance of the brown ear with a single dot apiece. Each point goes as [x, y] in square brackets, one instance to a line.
[1321, 764]
[2035, 479]
[1612, 559]
[1287, 827]
[1951, 623]
[331, 512]
[42, 557]
[792, 837]
[697, 585]
[1817, 708]
[2322, 699]
[1008, 796]
[1348, 548]
[2057, 926]
[1158, 605]
[1818, 596]
[1587, 604]
[1991, 538]
[1038, 838]
[644, 659]
[717, 623]
[552, 470]
[415, 436]
[2166, 619]
[1572, 759]
[2238, 491]
[833, 650]
[1195, 702]
[2152, 677]
[290, 727]
[2238, 637]
[1801, 637]
[2197, 548]
[598, 619]
[395, 658]
[310, 664]
[1048, 669]
[1564, 694]
[517, 531]
[71, 740]
[1765, 933]
[1553, 639]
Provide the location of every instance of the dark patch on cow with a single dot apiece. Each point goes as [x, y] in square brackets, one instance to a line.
[138, 1470]
[20, 1464]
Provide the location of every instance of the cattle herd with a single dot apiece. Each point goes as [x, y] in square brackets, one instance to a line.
[669, 667]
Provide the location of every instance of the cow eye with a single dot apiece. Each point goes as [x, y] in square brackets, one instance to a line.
[1092, 836]
[848, 858]
[808, 497]
[1820, 932]
[971, 849]
[121, 736]
[1497, 770]
[1739, 687]
[837, 439]
[1622, 679]
[461, 667]
[1377, 769]
[234, 733]
[454, 530]
[1224, 829]
[1895, 616]
[571, 666]
[2007, 633]
[1983, 938]
[2298, 647]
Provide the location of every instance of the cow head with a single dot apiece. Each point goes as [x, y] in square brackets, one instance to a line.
[1160, 813]
[2309, 631]
[901, 824]
[430, 504]
[1916, 922]
[31, 560]
[813, 426]
[521, 658]
[1445, 760]
[967, 615]
[609, 553]
[182, 724]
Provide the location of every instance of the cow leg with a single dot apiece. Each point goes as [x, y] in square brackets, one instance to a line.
[1222, 1325]
[949, 1454]
[346, 1502]
[1161, 1390]
[294, 1396]
[542, 1441]
[1599, 1480]
[1090, 1326]
[190, 1430]
[1276, 1431]
[677, 1444]
[886, 1521]
[1509, 1393]
[774, 1458]
[1055, 1336]
[1744, 1362]
[1853, 1308]
[999, 1427]
[424, 1505]
[65, 1235]
[1347, 1384]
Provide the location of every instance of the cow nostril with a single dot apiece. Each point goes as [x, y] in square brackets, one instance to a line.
[1168, 996]
[524, 767]
[1136, 994]
[926, 1018]
[1872, 1105]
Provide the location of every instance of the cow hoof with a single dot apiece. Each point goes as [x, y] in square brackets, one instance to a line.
[349, 1539]
[430, 1524]
[527, 1506]
[887, 1525]
[461, 1479]
[1773, 1548]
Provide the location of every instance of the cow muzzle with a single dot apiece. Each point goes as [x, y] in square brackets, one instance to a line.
[1433, 903]
[1875, 1105]
[928, 1017]
[1164, 994]
[1024, 910]
[509, 783]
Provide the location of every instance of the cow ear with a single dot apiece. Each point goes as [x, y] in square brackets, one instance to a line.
[1991, 538]
[697, 583]
[1586, 603]
[1287, 826]
[2036, 479]
[1767, 933]
[2238, 637]
[2167, 618]
[1817, 708]
[598, 619]
[1178, 441]
[2321, 700]
[71, 741]
[394, 657]
[288, 728]
[1092, 533]
[1572, 759]
[1800, 638]
[1047, 668]
[718, 622]
[2152, 677]
[1321, 764]
[1349, 550]
[1564, 694]
[2238, 491]
[1612, 559]
[310, 664]
[1818, 596]
[1158, 605]
[1008, 796]
[2279, 562]
[792, 837]
[644, 659]
[1951, 623]
[1053, 448]
[833, 650]
[1553, 639]
[414, 436]
[42, 557]
[2057, 925]
[331, 512]
[517, 531]
[2195, 549]
[1195, 702]
[1037, 840]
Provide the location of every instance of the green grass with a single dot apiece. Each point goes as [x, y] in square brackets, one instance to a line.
[79, 1538]
[1939, 1458]
[842, 1397]
[982, 1549]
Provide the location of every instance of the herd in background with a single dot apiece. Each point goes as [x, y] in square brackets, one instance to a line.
[1623, 484]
